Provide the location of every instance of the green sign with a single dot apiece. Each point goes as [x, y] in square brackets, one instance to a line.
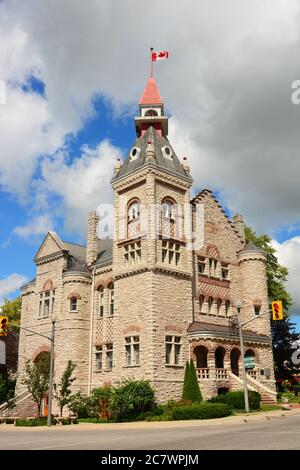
[249, 362]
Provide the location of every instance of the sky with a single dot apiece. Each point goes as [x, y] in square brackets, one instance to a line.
[73, 73]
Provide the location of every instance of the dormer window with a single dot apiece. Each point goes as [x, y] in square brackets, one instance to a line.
[134, 153]
[167, 152]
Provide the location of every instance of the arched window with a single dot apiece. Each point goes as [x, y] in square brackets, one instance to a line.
[234, 360]
[219, 303]
[111, 299]
[101, 301]
[219, 357]
[73, 304]
[227, 308]
[210, 303]
[133, 219]
[168, 218]
[201, 356]
[201, 303]
[151, 112]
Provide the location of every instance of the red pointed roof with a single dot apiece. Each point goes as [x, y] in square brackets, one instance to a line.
[151, 94]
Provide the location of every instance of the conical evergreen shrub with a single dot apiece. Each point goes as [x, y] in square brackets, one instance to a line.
[191, 389]
[186, 381]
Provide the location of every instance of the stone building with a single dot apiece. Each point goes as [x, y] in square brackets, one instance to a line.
[162, 291]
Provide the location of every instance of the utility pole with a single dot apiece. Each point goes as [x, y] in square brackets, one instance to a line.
[246, 396]
[51, 374]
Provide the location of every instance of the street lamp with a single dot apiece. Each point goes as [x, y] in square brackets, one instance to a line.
[238, 305]
[52, 339]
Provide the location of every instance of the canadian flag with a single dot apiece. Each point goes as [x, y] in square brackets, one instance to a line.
[159, 55]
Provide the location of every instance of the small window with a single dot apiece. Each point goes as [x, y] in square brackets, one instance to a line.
[227, 307]
[201, 265]
[173, 349]
[210, 303]
[111, 299]
[101, 302]
[99, 356]
[73, 304]
[219, 304]
[201, 303]
[224, 271]
[109, 356]
[257, 309]
[132, 350]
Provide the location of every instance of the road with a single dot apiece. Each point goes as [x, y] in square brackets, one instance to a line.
[276, 430]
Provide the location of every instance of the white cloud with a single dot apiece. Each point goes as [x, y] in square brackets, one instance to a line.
[10, 284]
[38, 225]
[81, 185]
[227, 82]
[288, 254]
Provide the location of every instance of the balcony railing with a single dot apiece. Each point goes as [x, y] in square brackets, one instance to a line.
[204, 373]
[252, 373]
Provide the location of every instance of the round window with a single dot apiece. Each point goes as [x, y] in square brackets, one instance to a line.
[167, 152]
[134, 153]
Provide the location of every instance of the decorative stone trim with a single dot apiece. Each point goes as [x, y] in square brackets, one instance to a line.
[213, 281]
[48, 258]
[48, 285]
[131, 329]
[173, 328]
[257, 302]
[212, 251]
[74, 294]
[39, 350]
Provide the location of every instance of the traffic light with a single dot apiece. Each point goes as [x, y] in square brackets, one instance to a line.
[3, 326]
[277, 312]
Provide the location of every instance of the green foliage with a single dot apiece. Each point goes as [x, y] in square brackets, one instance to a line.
[7, 387]
[236, 400]
[202, 411]
[79, 405]
[191, 389]
[296, 389]
[283, 331]
[62, 391]
[131, 399]
[185, 391]
[147, 415]
[92, 420]
[12, 309]
[100, 402]
[36, 379]
[33, 422]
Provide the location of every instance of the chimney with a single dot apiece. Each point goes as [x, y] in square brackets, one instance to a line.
[238, 223]
[92, 239]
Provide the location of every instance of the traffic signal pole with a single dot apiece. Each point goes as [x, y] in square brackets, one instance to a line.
[241, 325]
[51, 373]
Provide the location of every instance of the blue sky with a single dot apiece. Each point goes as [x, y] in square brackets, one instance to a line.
[72, 93]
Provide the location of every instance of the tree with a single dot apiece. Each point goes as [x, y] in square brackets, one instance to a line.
[62, 391]
[12, 309]
[186, 381]
[36, 379]
[283, 331]
[191, 389]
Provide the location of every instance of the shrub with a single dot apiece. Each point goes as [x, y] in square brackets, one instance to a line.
[132, 399]
[99, 402]
[191, 390]
[92, 420]
[202, 411]
[33, 422]
[297, 389]
[157, 411]
[79, 405]
[236, 400]
[171, 404]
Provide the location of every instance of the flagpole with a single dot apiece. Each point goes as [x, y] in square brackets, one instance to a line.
[151, 62]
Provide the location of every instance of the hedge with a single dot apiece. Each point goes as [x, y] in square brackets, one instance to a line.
[202, 411]
[236, 399]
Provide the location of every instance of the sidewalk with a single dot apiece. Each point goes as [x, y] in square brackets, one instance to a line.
[228, 421]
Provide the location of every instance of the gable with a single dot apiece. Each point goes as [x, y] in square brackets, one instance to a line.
[221, 239]
[52, 244]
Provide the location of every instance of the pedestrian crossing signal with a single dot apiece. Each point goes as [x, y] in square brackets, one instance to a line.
[3, 326]
[277, 312]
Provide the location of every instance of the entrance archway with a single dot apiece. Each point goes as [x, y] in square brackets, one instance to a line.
[201, 357]
[234, 361]
[42, 360]
[219, 357]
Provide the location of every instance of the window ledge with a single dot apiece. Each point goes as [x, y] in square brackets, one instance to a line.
[177, 366]
[132, 367]
[73, 311]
